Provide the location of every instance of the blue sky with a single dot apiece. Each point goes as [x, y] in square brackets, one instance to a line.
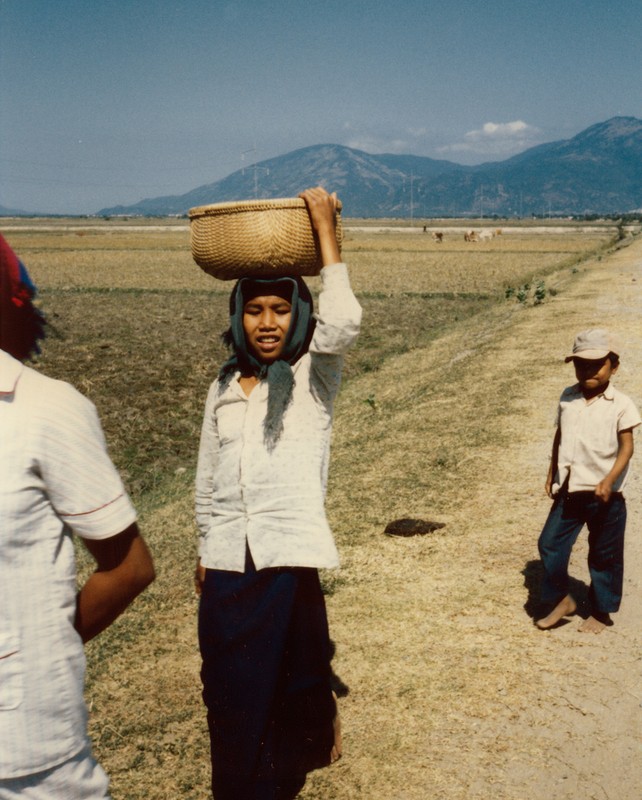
[114, 101]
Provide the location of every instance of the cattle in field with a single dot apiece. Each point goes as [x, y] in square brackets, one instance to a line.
[498, 232]
[471, 236]
[485, 235]
[438, 236]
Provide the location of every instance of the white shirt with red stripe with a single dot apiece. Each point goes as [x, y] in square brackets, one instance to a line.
[56, 479]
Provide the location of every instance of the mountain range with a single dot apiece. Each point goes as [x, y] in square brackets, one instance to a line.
[598, 171]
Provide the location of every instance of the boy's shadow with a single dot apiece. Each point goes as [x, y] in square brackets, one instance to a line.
[533, 572]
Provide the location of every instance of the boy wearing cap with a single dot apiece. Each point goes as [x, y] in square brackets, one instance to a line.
[592, 447]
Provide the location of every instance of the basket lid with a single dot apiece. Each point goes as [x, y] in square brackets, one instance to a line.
[238, 206]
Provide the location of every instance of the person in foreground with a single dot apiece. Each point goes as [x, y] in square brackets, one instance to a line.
[592, 448]
[56, 480]
[260, 487]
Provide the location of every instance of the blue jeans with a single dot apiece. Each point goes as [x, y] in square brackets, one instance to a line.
[606, 523]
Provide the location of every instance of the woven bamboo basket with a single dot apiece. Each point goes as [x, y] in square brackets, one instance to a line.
[256, 238]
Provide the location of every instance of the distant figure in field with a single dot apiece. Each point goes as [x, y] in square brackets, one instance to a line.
[56, 480]
[471, 236]
[592, 447]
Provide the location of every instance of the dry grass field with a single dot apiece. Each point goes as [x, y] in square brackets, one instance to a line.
[136, 323]
[424, 414]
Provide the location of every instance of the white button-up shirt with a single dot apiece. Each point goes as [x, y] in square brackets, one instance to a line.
[589, 443]
[274, 501]
[55, 478]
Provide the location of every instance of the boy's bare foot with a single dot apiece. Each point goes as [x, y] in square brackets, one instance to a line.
[337, 747]
[595, 623]
[564, 608]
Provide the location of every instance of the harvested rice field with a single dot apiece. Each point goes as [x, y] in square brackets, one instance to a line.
[445, 415]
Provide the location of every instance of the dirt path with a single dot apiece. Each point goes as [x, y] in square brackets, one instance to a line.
[457, 696]
[578, 731]
[454, 694]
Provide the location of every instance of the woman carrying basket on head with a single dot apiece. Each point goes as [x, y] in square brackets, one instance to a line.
[260, 489]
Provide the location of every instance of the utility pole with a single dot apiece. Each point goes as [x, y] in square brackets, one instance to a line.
[412, 199]
[256, 181]
[243, 154]
[256, 169]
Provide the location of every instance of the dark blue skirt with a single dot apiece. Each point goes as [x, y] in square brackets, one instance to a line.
[266, 680]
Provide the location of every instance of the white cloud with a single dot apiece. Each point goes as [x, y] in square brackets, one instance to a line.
[495, 140]
[492, 141]
[500, 130]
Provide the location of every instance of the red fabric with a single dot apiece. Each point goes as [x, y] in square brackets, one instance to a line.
[9, 271]
[21, 324]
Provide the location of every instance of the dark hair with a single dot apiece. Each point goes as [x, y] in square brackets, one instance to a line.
[614, 359]
[20, 329]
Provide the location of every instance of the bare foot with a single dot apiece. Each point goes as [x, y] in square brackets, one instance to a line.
[337, 747]
[564, 608]
[592, 625]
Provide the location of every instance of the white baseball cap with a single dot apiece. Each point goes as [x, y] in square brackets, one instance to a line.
[593, 344]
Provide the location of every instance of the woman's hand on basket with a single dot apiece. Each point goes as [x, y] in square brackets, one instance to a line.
[322, 208]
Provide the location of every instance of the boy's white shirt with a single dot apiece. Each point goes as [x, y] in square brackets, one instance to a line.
[589, 442]
[275, 501]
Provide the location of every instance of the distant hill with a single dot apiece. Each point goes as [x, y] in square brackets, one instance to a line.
[599, 171]
[13, 212]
